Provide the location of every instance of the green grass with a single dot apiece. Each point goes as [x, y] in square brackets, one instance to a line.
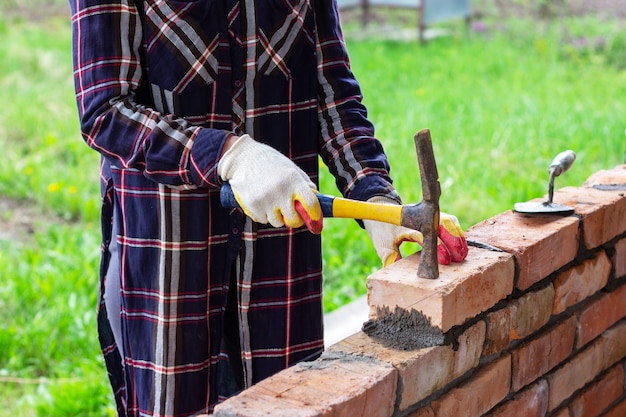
[500, 105]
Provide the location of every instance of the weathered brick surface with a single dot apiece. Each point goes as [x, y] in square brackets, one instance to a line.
[614, 345]
[420, 372]
[534, 359]
[576, 284]
[335, 385]
[600, 395]
[603, 213]
[423, 412]
[498, 331]
[618, 410]
[575, 374]
[531, 312]
[471, 399]
[519, 319]
[541, 243]
[564, 412]
[461, 292]
[532, 402]
[601, 314]
[619, 258]
[614, 176]
[469, 350]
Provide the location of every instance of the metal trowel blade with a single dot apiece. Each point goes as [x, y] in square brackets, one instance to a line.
[542, 208]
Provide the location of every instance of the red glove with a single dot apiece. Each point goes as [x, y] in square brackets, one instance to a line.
[387, 238]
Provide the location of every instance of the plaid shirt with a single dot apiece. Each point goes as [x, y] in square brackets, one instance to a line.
[159, 85]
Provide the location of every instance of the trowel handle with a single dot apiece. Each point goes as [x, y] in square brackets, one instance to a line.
[562, 162]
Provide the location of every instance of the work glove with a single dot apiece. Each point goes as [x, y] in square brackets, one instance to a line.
[269, 187]
[387, 238]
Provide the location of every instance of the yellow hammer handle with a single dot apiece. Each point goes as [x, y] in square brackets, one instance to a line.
[354, 209]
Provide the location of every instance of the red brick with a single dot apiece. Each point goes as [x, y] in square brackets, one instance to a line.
[564, 412]
[603, 213]
[336, 384]
[532, 402]
[531, 312]
[462, 291]
[420, 372]
[618, 410]
[542, 354]
[578, 283]
[541, 243]
[619, 258]
[601, 314]
[422, 412]
[600, 394]
[498, 331]
[614, 345]
[470, 347]
[479, 394]
[615, 176]
[575, 374]
[519, 319]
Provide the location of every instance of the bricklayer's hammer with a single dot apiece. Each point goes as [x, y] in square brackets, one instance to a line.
[423, 216]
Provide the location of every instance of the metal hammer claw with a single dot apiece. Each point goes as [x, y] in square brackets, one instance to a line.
[423, 216]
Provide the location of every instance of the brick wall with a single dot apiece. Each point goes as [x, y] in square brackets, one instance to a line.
[538, 329]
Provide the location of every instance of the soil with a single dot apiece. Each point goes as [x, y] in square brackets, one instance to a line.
[17, 219]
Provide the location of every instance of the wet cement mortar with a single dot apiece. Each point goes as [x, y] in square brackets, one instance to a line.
[403, 329]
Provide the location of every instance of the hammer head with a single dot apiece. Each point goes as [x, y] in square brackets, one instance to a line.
[424, 216]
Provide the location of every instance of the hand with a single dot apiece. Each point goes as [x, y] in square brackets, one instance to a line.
[387, 238]
[269, 187]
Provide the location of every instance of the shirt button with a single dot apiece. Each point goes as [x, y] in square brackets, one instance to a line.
[238, 83]
[235, 231]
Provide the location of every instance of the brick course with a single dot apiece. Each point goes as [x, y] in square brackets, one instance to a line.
[600, 395]
[537, 330]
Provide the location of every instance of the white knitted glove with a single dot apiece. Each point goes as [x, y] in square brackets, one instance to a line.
[387, 238]
[269, 187]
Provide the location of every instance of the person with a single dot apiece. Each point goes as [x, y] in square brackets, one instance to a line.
[198, 302]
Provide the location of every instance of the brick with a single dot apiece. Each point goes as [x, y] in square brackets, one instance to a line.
[618, 410]
[575, 374]
[603, 213]
[619, 258]
[335, 384]
[479, 394]
[498, 331]
[521, 318]
[422, 412]
[532, 402]
[420, 372]
[531, 312]
[601, 314]
[256, 402]
[539, 356]
[615, 176]
[614, 345]
[470, 347]
[564, 412]
[541, 244]
[578, 283]
[600, 394]
[462, 291]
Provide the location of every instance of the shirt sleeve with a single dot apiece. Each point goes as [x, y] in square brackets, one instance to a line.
[107, 40]
[348, 145]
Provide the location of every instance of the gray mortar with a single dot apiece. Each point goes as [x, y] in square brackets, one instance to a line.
[328, 358]
[403, 329]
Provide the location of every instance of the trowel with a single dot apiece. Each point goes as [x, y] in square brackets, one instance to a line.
[560, 164]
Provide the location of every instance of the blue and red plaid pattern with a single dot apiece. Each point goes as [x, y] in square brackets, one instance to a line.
[159, 85]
